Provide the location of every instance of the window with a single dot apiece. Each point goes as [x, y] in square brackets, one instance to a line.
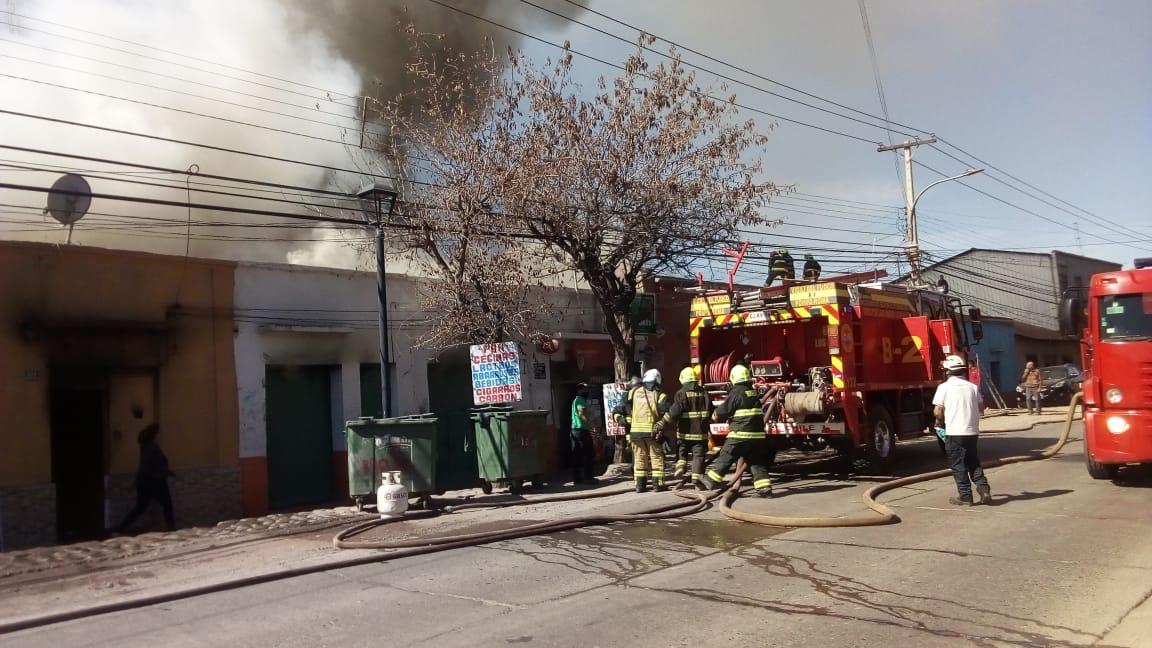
[1126, 317]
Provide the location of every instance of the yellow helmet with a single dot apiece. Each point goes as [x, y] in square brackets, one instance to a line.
[739, 374]
[687, 375]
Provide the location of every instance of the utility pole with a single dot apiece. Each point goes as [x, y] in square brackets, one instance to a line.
[911, 237]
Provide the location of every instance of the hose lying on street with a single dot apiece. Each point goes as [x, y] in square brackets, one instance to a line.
[399, 549]
[393, 549]
[883, 514]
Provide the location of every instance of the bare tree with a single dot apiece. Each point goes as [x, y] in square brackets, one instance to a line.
[644, 176]
[508, 165]
[443, 145]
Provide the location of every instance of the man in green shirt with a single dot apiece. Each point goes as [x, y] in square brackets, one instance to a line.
[583, 447]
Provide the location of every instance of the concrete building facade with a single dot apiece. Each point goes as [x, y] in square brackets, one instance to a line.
[307, 360]
[96, 344]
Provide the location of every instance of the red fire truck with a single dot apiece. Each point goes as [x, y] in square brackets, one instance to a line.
[837, 363]
[1116, 349]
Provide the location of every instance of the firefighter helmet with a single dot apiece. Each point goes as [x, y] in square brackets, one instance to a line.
[739, 374]
[954, 363]
[687, 375]
[652, 376]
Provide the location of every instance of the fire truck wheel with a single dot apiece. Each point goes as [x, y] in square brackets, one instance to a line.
[881, 438]
[1099, 470]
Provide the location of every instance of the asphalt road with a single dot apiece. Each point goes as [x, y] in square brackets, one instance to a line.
[1058, 560]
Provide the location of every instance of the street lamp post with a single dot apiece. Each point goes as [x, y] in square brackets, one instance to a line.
[378, 201]
[913, 229]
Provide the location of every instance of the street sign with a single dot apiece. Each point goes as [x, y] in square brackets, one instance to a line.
[495, 373]
[644, 314]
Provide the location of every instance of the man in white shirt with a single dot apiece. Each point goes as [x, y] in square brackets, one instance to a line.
[958, 406]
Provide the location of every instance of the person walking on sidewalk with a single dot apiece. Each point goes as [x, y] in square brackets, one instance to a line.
[583, 445]
[151, 480]
[1032, 382]
[958, 406]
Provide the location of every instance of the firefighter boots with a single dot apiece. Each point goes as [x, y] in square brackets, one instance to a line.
[641, 484]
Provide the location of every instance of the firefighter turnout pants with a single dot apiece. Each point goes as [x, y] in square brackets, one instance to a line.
[648, 460]
[691, 453]
[757, 453]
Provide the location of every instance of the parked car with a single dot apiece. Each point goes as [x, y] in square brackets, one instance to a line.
[1059, 383]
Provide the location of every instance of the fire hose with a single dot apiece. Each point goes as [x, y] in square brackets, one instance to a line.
[694, 503]
[884, 514]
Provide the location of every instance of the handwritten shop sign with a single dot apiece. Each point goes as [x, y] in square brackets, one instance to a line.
[495, 373]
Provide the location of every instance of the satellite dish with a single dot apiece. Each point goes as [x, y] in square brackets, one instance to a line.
[69, 199]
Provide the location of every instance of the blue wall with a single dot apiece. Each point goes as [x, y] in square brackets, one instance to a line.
[998, 349]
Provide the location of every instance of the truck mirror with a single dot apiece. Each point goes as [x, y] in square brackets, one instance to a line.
[975, 315]
[977, 330]
[1071, 316]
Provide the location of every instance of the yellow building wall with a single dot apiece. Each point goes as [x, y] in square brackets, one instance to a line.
[192, 393]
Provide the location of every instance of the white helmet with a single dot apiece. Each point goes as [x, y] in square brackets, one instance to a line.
[652, 376]
[954, 363]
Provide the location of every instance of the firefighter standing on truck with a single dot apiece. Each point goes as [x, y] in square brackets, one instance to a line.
[692, 408]
[643, 408]
[746, 438]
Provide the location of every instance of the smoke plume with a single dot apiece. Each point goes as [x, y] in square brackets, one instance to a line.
[315, 58]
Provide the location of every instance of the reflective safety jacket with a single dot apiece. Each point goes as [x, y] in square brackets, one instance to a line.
[692, 408]
[743, 412]
[644, 408]
[622, 412]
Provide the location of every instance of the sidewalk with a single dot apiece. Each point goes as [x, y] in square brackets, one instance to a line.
[1021, 420]
[41, 563]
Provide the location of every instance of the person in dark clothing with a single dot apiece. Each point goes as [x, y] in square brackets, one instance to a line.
[691, 408]
[811, 268]
[151, 480]
[583, 443]
[746, 439]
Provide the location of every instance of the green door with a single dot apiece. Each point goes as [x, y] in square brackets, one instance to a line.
[371, 391]
[299, 429]
[450, 398]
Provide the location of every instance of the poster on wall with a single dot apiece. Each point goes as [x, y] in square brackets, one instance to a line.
[613, 395]
[495, 373]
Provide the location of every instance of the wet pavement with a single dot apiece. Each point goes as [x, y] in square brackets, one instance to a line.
[1060, 560]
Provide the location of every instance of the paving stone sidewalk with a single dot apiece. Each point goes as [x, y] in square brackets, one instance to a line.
[160, 545]
[165, 544]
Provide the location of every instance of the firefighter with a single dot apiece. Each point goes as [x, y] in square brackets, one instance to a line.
[645, 406]
[620, 412]
[746, 437]
[774, 268]
[787, 265]
[691, 407]
[811, 268]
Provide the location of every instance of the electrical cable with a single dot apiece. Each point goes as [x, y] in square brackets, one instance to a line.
[719, 75]
[622, 68]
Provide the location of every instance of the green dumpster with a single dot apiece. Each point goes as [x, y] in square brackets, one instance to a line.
[510, 445]
[375, 446]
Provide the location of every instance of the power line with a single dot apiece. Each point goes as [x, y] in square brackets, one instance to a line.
[1013, 205]
[622, 68]
[153, 86]
[1017, 179]
[315, 107]
[701, 68]
[328, 94]
[733, 66]
[993, 177]
[185, 111]
[211, 147]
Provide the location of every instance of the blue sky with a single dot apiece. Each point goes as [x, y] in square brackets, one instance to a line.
[1058, 94]
[1055, 93]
